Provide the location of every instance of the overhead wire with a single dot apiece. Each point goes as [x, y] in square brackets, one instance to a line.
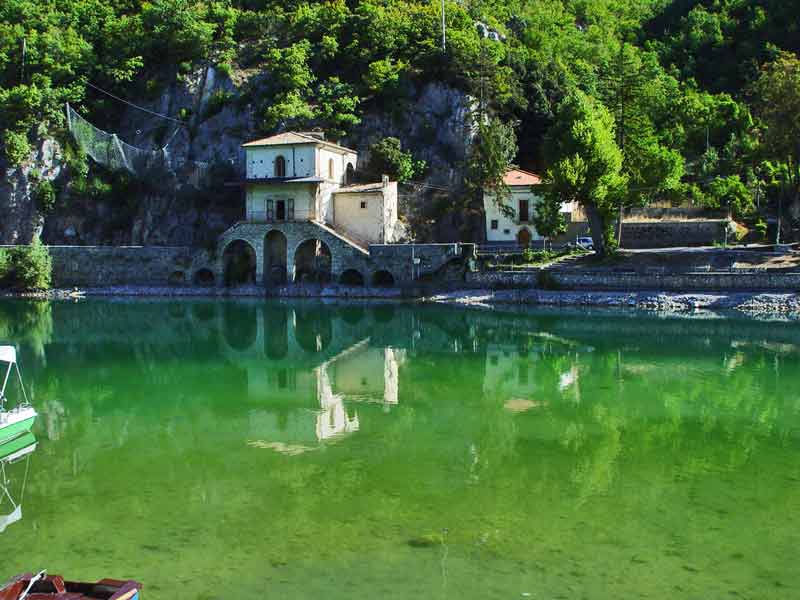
[147, 110]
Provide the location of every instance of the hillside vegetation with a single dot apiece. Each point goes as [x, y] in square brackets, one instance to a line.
[618, 102]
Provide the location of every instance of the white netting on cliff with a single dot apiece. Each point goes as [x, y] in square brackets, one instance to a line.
[110, 151]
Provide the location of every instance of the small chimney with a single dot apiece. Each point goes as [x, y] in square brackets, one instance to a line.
[385, 181]
[320, 135]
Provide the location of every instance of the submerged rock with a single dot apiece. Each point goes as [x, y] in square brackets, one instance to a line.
[428, 540]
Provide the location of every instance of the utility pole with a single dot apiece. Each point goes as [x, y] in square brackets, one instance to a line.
[22, 70]
[444, 29]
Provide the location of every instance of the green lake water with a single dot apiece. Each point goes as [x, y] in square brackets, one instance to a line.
[302, 450]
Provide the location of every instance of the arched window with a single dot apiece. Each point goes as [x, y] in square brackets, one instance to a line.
[330, 169]
[349, 174]
[280, 167]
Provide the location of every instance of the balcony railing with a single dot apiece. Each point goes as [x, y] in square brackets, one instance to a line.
[263, 216]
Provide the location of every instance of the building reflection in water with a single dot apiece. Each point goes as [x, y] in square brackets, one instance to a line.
[314, 368]
[14, 466]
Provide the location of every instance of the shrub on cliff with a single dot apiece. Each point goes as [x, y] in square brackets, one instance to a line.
[17, 148]
[5, 264]
[28, 267]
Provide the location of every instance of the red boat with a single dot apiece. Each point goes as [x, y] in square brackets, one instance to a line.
[53, 587]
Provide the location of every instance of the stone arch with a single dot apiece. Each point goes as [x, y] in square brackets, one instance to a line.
[204, 277]
[239, 263]
[351, 277]
[280, 166]
[312, 261]
[383, 278]
[275, 258]
[349, 174]
[313, 329]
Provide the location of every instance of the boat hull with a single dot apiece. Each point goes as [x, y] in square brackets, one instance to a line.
[16, 428]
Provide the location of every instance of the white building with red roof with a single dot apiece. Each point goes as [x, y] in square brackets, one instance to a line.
[510, 220]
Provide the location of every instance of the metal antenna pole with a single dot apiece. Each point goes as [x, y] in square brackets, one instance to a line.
[444, 29]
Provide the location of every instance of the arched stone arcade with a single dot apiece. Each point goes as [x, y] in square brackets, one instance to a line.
[239, 262]
[319, 250]
[351, 277]
[312, 262]
[275, 255]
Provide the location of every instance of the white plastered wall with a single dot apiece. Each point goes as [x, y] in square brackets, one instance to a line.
[300, 160]
[509, 227]
[363, 224]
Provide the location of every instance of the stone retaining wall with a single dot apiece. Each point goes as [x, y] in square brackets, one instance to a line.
[158, 266]
[667, 234]
[96, 266]
[575, 279]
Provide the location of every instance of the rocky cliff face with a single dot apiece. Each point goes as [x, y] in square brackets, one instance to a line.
[176, 207]
[20, 217]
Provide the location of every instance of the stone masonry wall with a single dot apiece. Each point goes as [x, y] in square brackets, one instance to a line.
[405, 262]
[98, 266]
[667, 234]
[611, 281]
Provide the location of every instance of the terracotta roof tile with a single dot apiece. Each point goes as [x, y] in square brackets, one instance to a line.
[520, 177]
[354, 189]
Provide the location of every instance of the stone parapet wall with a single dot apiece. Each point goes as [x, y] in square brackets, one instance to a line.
[681, 282]
[98, 266]
[575, 279]
[412, 262]
[503, 279]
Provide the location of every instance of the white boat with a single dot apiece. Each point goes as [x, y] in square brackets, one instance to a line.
[18, 420]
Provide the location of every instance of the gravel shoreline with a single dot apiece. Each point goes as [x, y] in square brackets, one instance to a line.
[753, 303]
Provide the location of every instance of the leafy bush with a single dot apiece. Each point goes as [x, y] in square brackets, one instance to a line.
[761, 228]
[387, 158]
[17, 148]
[530, 256]
[30, 267]
[5, 264]
[45, 196]
[216, 102]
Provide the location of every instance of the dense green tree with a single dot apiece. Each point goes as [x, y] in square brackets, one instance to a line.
[585, 165]
[778, 104]
[491, 155]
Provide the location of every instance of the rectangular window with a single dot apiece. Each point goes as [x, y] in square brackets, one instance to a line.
[290, 209]
[524, 217]
[495, 224]
[270, 210]
[280, 213]
[363, 204]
